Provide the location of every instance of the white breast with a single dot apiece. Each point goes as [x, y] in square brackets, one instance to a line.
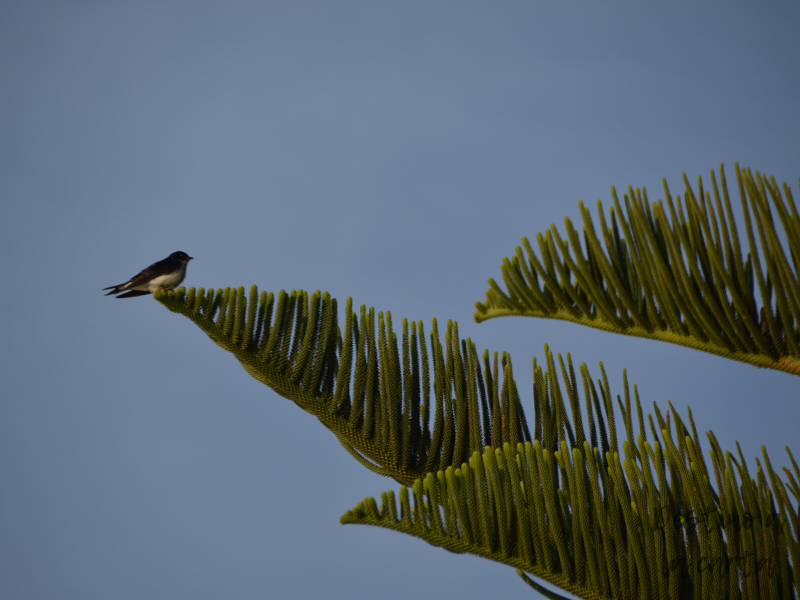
[164, 282]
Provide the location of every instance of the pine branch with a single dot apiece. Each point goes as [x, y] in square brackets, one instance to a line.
[647, 524]
[680, 279]
[565, 503]
[568, 507]
[401, 411]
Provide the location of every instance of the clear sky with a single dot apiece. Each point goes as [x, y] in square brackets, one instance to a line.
[392, 152]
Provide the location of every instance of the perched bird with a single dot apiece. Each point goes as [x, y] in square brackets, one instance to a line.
[166, 274]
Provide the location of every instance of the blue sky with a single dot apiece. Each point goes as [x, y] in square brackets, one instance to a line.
[391, 152]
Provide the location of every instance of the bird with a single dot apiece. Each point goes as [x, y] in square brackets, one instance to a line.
[166, 274]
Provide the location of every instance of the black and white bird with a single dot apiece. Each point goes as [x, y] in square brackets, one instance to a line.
[166, 274]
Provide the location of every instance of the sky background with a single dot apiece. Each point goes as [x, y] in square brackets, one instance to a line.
[390, 152]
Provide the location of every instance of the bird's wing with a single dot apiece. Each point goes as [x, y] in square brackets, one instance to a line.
[168, 265]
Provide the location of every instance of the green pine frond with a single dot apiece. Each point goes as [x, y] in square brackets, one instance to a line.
[563, 501]
[650, 522]
[680, 278]
[400, 410]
